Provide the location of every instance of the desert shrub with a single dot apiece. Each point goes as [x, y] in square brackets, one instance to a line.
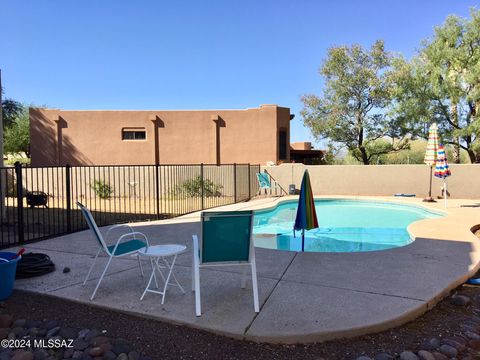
[102, 189]
[193, 187]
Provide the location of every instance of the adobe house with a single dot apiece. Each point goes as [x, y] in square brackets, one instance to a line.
[303, 152]
[119, 137]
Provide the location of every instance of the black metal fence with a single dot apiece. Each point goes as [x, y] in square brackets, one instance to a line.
[40, 202]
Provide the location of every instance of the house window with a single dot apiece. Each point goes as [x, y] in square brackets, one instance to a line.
[134, 134]
[282, 145]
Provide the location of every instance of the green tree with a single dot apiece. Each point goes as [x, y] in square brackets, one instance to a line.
[350, 111]
[11, 109]
[442, 84]
[17, 134]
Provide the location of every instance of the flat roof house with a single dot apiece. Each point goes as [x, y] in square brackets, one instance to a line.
[120, 137]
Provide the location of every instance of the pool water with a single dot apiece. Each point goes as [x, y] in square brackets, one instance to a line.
[345, 226]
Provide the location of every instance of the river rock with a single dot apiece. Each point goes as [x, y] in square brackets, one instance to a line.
[472, 335]
[25, 355]
[448, 350]
[82, 333]
[4, 333]
[384, 356]
[408, 355]
[439, 356]
[120, 346]
[5, 320]
[96, 351]
[109, 355]
[426, 355]
[460, 300]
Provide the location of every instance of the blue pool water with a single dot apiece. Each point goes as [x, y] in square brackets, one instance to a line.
[345, 226]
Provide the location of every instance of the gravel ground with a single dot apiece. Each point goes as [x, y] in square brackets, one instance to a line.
[159, 340]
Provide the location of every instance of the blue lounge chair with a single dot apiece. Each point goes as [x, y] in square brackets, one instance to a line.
[226, 240]
[127, 244]
[265, 183]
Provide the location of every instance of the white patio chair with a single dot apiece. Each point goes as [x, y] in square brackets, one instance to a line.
[127, 244]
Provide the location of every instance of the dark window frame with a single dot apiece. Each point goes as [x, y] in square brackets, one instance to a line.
[134, 134]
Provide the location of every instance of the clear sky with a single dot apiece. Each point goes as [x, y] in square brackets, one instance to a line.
[154, 54]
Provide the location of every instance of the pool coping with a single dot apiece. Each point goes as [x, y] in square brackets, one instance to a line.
[455, 228]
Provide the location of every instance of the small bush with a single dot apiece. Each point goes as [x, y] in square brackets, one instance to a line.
[101, 189]
[193, 188]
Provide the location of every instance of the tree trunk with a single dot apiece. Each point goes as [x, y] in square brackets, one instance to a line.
[474, 158]
[364, 155]
[456, 147]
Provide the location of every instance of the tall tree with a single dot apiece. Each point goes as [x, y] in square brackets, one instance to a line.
[442, 84]
[11, 109]
[17, 135]
[350, 110]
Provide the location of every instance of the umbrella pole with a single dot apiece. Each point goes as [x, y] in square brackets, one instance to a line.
[429, 198]
[445, 191]
[303, 240]
[430, 189]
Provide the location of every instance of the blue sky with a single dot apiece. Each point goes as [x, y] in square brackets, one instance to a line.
[116, 54]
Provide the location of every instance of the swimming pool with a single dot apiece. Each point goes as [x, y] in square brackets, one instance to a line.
[345, 226]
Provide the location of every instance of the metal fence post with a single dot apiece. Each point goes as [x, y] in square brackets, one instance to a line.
[18, 174]
[235, 183]
[202, 185]
[249, 183]
[157, 189]
[68, 187]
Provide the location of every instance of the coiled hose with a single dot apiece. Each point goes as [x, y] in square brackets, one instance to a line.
[34, 264]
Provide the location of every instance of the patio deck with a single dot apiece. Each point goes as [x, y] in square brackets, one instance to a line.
[304, 297]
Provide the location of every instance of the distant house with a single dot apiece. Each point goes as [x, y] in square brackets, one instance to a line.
[303, 152]
[109, 137]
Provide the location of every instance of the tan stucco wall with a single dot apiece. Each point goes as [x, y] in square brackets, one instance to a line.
[60, 137]
[379, 179]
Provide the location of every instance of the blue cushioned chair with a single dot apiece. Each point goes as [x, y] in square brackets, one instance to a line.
[127, 244]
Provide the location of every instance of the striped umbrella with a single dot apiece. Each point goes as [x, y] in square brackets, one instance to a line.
[442, 170]
[306, 215]
[431, 155]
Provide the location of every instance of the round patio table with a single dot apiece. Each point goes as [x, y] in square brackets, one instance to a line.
[158, 254]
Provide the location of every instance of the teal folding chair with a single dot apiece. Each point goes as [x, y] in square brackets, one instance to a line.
[265, 183]
[226, 240]
[127, 244]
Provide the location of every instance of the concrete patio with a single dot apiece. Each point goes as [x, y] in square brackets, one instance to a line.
[304, 297]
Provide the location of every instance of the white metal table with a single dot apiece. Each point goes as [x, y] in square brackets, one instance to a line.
[157, 254]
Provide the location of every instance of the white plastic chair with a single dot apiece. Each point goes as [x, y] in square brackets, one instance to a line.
[122, 247]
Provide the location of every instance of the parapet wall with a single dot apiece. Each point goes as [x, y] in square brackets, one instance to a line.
[381, 180]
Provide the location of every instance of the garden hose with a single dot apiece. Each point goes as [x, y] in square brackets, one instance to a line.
[34, 264]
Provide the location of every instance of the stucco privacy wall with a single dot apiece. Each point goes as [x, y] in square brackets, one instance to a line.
[379, 179]
[60, 137]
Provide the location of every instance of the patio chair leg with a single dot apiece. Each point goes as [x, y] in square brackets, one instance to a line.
[196, 275]
[193, 273]
[255, 287]
[140, 264]
[91, 267]
[244, 277]
[101, 278]
[198, 306]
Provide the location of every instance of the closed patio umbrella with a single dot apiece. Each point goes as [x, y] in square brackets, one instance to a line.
[431, 155]
[306, 215]
[442, 170]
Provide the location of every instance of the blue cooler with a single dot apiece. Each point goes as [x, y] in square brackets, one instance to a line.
[7, 273]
